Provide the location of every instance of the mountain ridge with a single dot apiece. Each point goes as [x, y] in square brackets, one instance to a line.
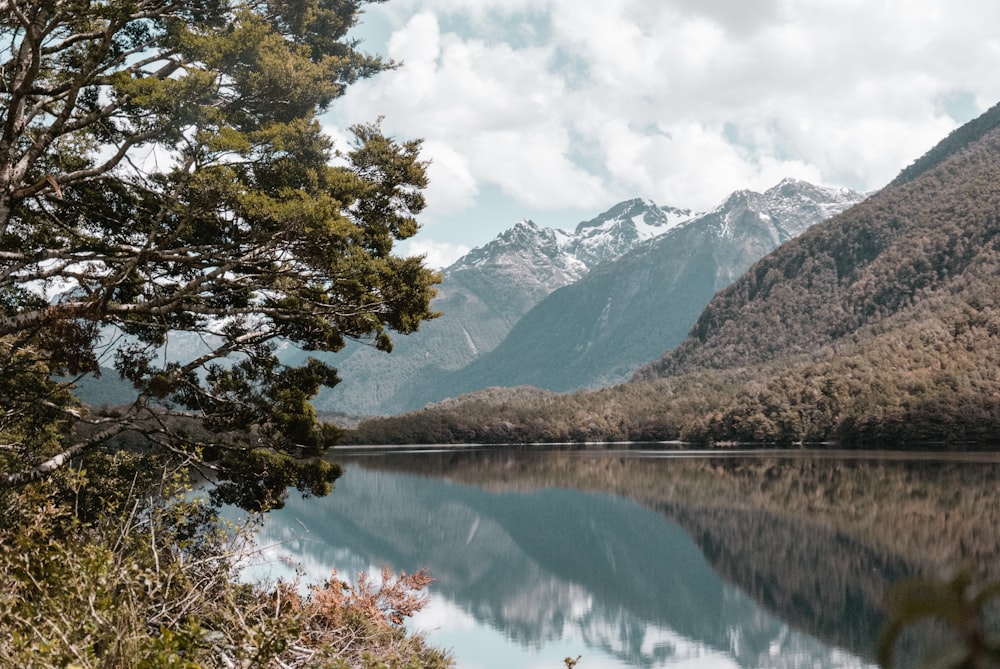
[598, 330]
[879, 327]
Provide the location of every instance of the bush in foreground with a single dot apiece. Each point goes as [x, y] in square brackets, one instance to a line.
[152, 582]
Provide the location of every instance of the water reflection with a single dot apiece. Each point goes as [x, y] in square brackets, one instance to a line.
[639, 561]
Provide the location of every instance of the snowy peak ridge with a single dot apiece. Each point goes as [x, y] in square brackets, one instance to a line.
[536, 259]
[642, 214]
[795, 205]
[603, 238]
[787, 208]
[790, 207]
[524, 237]
[623, 226]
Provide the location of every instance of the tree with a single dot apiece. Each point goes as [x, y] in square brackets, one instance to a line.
[163, 171]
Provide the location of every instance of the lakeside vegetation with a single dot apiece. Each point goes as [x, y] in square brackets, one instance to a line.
[114, 564]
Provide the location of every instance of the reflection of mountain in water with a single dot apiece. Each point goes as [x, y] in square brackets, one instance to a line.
[815, 539]
[537, 563]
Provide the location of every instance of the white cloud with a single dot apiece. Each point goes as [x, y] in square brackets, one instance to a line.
[438, 254]
[563, 103]
[533, 167]
[453, 187]
[490, 113]
[417, 44]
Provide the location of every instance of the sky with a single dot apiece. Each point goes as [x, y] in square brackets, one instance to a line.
[555, 110]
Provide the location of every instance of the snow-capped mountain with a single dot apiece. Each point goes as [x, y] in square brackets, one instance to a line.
[620, 228]
[625, 312]
[484, 294]
[790, 207]
[523, 264]
[550, 258]
[512, 272]
[525, 242]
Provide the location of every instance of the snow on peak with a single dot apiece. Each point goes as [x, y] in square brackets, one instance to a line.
[573, 254]
[617, 230]
[789, 207]
[638, 213]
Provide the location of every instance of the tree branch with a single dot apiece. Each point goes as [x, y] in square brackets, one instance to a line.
[56, 462]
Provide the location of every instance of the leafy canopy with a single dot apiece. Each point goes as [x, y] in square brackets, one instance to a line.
[162, 172]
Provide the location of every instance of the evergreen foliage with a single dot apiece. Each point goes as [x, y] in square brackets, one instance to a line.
[162, 171]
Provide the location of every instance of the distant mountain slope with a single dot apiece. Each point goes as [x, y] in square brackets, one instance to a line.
[600, 329]
[483, 295]
[914, 252]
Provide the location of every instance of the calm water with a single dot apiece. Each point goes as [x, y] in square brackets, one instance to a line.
[645, 558]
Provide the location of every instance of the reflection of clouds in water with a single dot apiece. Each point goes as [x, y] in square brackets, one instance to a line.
[603, 644]
[287, 552]
[442, 613]
[642, 643]
[526, 579]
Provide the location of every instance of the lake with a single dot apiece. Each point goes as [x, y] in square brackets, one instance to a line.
[646, 557]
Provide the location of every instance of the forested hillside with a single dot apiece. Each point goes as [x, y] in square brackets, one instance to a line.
[878, 326]
[914, 253]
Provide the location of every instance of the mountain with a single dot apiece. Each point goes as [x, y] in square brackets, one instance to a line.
[915, 256]
[882, 325]
[483, 295]
[625, 312]
[879, 327]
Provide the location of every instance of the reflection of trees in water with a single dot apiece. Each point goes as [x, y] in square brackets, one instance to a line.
[550, 561]
[818, 580]
[772, 525]
[938, 512]
[540, 566]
